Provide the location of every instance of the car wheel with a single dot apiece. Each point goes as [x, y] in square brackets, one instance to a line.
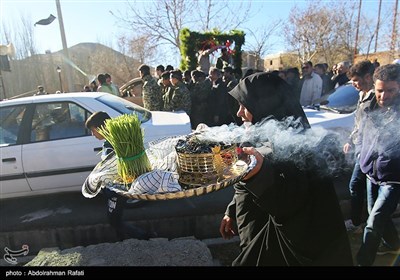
[134, 203]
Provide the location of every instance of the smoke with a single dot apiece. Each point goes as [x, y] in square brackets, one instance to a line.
[382, 127]
[314, 149]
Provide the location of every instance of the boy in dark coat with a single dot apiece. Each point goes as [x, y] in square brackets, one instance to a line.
[115, 203]
[286, 215]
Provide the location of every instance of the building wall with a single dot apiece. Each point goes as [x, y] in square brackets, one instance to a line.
[250, 60]
[273, 62]
[382, 57]
[280, 61]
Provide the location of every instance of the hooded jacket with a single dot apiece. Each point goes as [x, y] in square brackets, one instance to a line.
[285, 216]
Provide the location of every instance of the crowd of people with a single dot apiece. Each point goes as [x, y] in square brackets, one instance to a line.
[377, 149]
[203, 96]
[283, 214]
[271, 225]
[374, 178]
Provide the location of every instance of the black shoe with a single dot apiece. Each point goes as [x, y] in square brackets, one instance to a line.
[384, 250]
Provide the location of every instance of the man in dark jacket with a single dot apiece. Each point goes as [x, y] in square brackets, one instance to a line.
[361, 76]
[380, 161]
[286, 214]
[218, 107]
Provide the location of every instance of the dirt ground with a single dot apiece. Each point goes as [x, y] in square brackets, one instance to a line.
[225, 253]
[385, 260]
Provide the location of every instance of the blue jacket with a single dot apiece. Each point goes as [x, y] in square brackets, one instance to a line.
[380, 147]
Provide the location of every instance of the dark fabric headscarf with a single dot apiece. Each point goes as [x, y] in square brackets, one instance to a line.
[267, 95]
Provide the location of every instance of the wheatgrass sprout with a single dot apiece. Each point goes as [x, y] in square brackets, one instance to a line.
[126, 136]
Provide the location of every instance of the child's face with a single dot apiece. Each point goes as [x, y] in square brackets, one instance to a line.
[96, 134]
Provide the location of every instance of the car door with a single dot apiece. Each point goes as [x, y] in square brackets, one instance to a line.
[61, 152]
[12, 179]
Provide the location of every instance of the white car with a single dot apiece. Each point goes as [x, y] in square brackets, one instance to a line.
[45, 147]
[335, 111]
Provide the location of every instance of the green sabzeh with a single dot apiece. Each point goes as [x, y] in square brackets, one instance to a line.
[126, 136]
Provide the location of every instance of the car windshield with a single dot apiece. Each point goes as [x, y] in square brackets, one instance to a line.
[343, 100]
[125, 107]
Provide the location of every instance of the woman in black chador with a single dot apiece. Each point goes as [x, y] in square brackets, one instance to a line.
[286, 213]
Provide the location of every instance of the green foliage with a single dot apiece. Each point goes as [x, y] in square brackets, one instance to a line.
[192, 41]
[126, 137]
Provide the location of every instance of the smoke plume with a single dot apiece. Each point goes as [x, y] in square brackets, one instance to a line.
[316, 148]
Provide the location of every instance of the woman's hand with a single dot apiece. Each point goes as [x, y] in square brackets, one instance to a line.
[226, 227]
[259, 157]
[346, 148]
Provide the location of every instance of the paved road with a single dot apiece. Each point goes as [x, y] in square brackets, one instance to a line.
[32, 220]
[72, 209]
[384, 260]
[68, 219]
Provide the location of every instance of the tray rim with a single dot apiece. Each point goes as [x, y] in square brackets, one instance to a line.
[197, 191]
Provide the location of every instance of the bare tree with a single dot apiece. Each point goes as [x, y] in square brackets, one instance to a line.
[221, 14]
[261, 38]
[22, 36]
[315, 31]
[27, 36]
[318, 34]
[160, 22]
[139, 48]
[6, 33]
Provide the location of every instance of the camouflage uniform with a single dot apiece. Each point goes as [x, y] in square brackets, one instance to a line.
[152, 96]
[167, 93]
[162, 87]
[178, 98]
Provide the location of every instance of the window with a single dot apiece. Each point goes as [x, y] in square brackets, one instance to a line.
[125, 107]
[61, 120]
[10, 122]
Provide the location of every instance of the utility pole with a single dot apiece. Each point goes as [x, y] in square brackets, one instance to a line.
[67, 67]
[377, 26]
[358, 26]
[59, 77]
[394, 33]
[2, 86]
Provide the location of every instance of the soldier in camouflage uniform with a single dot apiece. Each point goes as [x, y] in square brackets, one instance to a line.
[151, 92]
[165, 83]
[167, 97]
[178, 97]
